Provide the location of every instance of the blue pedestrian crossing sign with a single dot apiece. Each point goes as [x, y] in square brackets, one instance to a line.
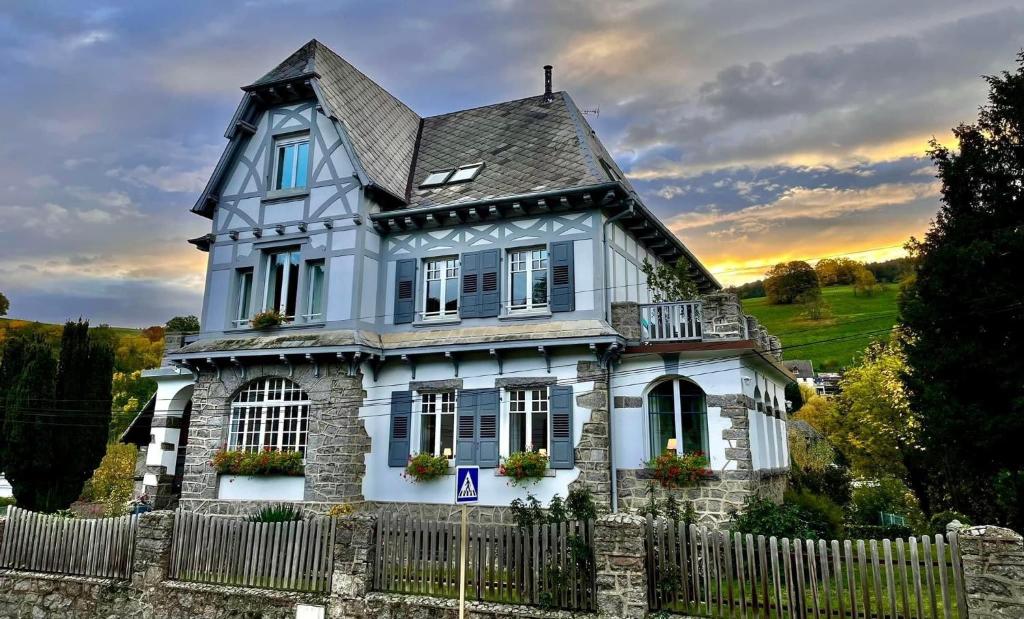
[467, 484]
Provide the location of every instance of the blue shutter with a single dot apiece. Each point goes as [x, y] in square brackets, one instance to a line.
[401, 418]
[561, 456]
[490, 283]
[465, 432]
[405, 291]
[488, 420]
[469, 293]
[563, 286]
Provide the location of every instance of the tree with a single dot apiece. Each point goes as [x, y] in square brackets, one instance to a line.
[964, 313]
[864, 282]
[836, 271]
[183, 324]
[670, 281]
[56, 420]
[815, 305]
[786, 281]
[4, 305]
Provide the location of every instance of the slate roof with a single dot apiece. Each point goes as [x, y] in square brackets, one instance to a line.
[527, 146]
[800, 368]
[381, 128]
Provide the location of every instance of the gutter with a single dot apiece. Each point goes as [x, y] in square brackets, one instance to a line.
[608, 370]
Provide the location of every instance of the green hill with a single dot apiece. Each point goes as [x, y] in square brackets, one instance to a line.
[855, 319]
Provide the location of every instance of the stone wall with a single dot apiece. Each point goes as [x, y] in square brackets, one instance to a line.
[593, 453]
[993, 564]
[337, 443]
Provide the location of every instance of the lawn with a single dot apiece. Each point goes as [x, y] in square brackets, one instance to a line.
[854, 322]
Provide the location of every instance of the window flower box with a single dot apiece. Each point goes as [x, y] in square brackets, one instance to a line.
[425, 467]
[269, 462]
[524, 466]
[673, 470]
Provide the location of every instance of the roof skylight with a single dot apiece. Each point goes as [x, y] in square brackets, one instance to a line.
[466, 173]
[438, 177]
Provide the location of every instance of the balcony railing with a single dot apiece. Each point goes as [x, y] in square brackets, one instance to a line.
[671, 322]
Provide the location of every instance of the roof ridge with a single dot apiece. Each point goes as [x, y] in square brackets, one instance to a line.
[480, 107]
[318, 46]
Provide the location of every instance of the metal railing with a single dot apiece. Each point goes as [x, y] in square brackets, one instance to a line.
[671, 322]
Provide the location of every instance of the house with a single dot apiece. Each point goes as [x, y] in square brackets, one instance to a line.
[802, 370]
[468, 285]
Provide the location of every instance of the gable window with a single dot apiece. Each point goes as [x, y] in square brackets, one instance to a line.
[466, 173]
[438, 177]
[282, 282]
[291, 162]
[314, 291]
[677, 417]
[437, 424]
[441, 289]
[528, 420]
[269, 413]
[244, 287]
[528, 279]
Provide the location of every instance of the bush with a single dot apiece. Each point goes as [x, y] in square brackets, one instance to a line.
[580, 504]
[276, 513]
[823, 517]
[267, 320]
[266, 462]
[675, 471]
[523, 466]
[425, 467]
[113, 481]
[763, 517]
[937, 523]
[888, 495]
[878, 531]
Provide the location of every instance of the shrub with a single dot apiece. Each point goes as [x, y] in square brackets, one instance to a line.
[675, 471]
[425, 467]
[877, 531]
[276, 513]
[763, 517]
[113, 481]
[523, 466]
[341, 510]
[888, 495]
[823, 517]
[937, 523]
[580, 504]
[527, 513]
[267, 320]
[266, 462]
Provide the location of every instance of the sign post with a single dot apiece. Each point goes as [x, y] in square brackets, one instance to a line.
[467, 490]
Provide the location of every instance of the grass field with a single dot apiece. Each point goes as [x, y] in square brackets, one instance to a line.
[855, 319]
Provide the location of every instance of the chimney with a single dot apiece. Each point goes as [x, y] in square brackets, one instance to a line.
[548, 96]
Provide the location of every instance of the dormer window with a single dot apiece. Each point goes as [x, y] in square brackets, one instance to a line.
[291, 162]
[438, 177]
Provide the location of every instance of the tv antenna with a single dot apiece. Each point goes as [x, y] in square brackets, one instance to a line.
[594, 111]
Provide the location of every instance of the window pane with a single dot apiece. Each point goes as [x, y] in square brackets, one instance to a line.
[517, 432]
[285, 166]
[433, 304]
[428, 428]
[436, 178]
[293, 283]
[448, 434]
[540, 287]
[519, 289]
[694, 431]
[275, 279]
[464, 174]
[244, 295]
[451, 292]
[539, 431]
[316, 290]
[301, 164]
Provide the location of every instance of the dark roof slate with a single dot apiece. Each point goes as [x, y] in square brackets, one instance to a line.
[527, 146]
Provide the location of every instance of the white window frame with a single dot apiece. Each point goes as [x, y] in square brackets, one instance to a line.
[309, 316]
[442, 272]
[529, 269]
[285, 283]
[288, 141]
[243, 299]
[253, 403]
[530, 398]
[438, 401]
[444, 174]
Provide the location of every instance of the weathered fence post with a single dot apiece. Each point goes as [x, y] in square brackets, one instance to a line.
[354, 554]
[152, 549]
[621, 572]
[993, 564]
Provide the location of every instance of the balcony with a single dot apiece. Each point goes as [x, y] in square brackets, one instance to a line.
[716, 317]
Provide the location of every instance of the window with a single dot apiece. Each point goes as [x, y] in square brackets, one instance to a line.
[441, 292]
[282, 282]
[439, 177]
[291, 162]
[677, 416]
[528, 279]
[315, 291]
[244, 288]
[269, 413]
[437, 424]
[466, 173]
[758, 401]
[528, 420]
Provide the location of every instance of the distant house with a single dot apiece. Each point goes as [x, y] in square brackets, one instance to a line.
[827, 383]
[467, 285]
[802, 370]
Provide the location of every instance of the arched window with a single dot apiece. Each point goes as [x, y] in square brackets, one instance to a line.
[778, 411]
[269, 413]
[759, 401]
[677, 414]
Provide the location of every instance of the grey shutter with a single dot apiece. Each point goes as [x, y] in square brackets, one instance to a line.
[561, 456]
[405, 291]
[469, 294]
[490, 283]
[465, 432]
[401, 418]
[563, 286]
[488, 419]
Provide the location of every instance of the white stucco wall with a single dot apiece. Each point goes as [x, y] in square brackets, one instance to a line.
[384, 483]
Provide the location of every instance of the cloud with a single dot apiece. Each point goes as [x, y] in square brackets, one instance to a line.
[164, 178]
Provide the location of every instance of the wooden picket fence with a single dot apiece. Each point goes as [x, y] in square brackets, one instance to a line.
[547, 565]
[296, 556]
[101, 547]
[709, 573]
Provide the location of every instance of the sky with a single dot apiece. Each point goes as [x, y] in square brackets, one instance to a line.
[758, 131]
